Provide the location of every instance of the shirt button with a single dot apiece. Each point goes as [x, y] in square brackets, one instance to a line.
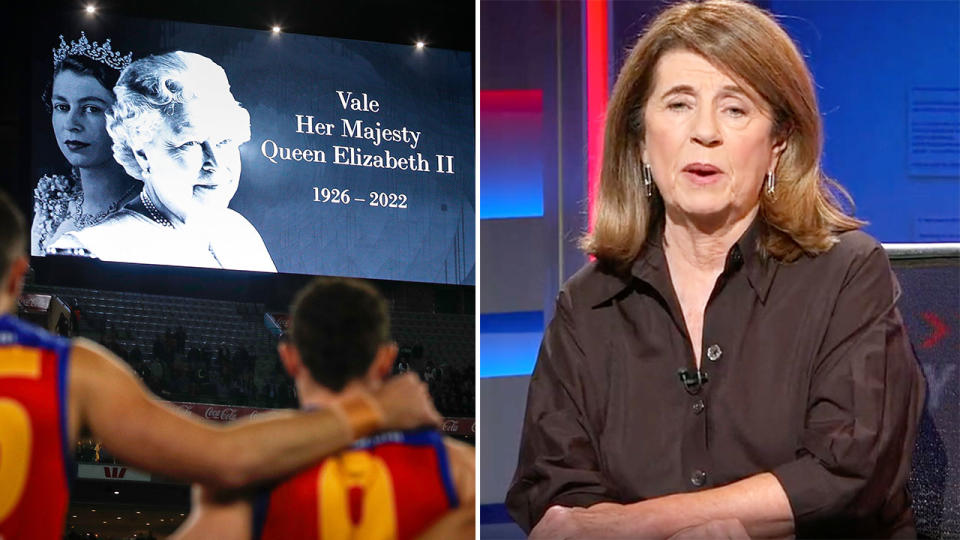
[698, 477]
[698, 406]
[714, 352]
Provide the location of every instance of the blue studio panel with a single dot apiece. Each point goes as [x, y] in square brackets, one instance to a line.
[509, 342]
[888, 85]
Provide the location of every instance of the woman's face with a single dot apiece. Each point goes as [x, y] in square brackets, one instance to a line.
[708, 140]
[191, 168]
[78, 104]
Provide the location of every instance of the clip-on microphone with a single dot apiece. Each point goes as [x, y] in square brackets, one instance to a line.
[693, 380]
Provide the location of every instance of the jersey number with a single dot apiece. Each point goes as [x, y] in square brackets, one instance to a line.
[15, 434]
[14, 454]
[355, 494]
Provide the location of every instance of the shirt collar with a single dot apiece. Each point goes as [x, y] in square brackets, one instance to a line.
[650, 266]
[759, 266]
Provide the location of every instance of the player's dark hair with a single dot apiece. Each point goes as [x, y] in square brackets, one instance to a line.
[13, 233]
[337, 326]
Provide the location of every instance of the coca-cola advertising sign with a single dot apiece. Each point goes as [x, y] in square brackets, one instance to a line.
[219, 413]
[459, 426]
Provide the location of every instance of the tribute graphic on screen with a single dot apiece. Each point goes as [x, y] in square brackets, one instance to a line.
[204, 146]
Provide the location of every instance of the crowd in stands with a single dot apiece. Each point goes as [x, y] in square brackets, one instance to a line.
[205, 374]
[452, 387]
[202, 373]
[225, 375]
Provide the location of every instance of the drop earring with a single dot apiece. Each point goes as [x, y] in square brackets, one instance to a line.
[648, 179]
[771, 183]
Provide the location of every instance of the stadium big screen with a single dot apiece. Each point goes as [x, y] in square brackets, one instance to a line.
[358, 160]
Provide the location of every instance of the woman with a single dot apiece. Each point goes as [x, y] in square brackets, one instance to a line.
[733, 362]
[81, 91]
[177, 127]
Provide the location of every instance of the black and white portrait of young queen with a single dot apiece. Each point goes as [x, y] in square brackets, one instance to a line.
[77, 96]
[176, 126]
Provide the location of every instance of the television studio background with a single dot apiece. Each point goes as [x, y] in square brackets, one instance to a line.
[205, 338]
[546, 69]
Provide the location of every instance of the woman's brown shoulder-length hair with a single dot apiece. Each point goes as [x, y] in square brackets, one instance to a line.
[803, 216]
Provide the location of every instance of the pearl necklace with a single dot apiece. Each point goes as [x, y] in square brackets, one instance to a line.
[154, 213]
[156, 216]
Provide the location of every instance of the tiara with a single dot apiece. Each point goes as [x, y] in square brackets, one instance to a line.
[101, 53]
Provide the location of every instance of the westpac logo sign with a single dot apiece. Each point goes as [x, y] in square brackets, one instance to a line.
[111, 472]
[114, 472]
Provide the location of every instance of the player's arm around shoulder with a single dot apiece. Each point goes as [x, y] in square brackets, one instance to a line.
[111, 402]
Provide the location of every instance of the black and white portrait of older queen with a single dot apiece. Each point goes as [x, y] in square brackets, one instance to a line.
[76, 97]
[176, 126]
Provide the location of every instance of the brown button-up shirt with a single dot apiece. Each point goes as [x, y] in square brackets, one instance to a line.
[809, 375]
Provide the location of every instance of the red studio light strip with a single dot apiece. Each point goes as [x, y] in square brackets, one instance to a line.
[511, 101]
[598, 83]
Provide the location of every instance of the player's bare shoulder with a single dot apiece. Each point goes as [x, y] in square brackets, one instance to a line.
[462, 458]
